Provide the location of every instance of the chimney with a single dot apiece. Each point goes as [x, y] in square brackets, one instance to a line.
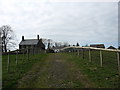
[22, 38]
[38, 37]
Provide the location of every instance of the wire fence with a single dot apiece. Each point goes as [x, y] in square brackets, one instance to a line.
[105, 58]
[20, 56]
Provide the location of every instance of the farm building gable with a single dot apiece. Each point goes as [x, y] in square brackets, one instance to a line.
[111, 47]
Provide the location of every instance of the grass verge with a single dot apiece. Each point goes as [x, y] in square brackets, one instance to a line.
[16, 71]
[103, 77]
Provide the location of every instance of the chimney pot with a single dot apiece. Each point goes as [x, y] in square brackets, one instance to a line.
[22, 38]
[38, 37]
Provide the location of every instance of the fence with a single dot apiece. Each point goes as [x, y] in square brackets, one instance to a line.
[21, 56]
[93, 54]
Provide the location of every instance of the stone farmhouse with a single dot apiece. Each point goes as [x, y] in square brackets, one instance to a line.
[32, 43]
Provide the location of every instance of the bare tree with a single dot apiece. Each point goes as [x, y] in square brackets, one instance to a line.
[58, 44]
[45, 42]
[7, 35]
[50, 43]
[65, 44]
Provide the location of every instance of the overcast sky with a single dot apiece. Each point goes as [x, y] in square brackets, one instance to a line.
[72, 22]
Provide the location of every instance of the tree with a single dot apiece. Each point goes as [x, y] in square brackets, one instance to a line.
[77, 44]
[58, 44]
[50, 43]
[45, 42]
[7, 35]
[86, 45]
[65, 44]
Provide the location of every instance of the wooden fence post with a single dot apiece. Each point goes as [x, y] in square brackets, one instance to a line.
[27, 54]
[89, 55]
[83, 53]
[72, 51]
[33, 51]
[8, 64]
[75, 51]
[78, 52]
[118, 57]
[101, 58]
[23, 55]
[16, 57]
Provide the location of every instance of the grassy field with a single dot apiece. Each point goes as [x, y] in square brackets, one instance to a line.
[103, 77]
[11, 78]
[0, 71]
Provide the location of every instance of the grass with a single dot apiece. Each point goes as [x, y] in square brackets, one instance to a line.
[52, 74]
[103, 77]
[10, 79]
[0, 71]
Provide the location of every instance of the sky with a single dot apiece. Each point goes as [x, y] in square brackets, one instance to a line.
[72, 22]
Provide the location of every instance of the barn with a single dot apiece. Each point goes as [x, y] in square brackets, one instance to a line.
[111, 47]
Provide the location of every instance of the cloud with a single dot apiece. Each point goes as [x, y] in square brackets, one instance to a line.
[62, 21]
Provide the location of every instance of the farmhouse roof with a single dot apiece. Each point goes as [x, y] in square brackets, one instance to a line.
[29, 42]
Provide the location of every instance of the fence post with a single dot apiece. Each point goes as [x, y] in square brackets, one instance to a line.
[16, 57]
[83, 53]
[28, 54]
[78, 52]
[89, 55]
[101, 58]
[8, 64]
[118, 57]
[72, 51]
[23, 54]
[33, 51]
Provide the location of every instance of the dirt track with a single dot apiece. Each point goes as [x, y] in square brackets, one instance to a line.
[55, 72]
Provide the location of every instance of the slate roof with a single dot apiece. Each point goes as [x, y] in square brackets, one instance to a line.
[29, 42]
